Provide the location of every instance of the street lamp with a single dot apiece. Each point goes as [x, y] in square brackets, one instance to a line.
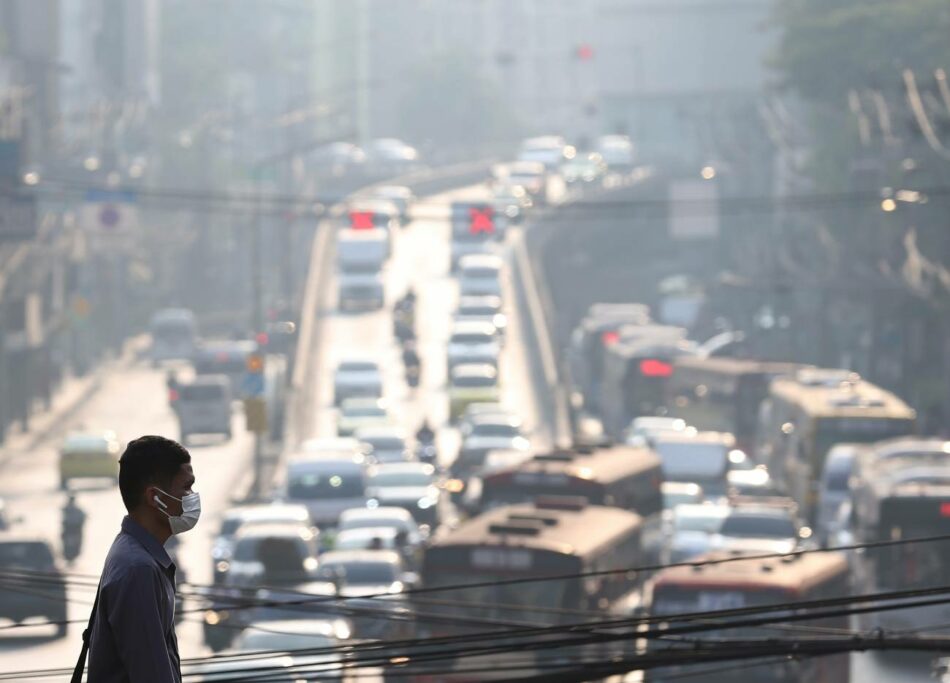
[91, 163]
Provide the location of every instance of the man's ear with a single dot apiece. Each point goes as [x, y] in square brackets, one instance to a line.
[153, 498]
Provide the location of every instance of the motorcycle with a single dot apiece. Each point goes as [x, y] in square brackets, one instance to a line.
[72, 543]
[427, 453]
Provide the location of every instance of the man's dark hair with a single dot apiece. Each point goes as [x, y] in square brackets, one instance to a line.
[149, 461]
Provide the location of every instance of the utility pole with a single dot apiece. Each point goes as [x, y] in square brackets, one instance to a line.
[362, 71]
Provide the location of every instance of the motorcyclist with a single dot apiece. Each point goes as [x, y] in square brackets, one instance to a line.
[425, 435]
[73, 520]
[410, 358]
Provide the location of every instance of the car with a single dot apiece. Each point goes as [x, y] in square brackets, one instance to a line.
[690, 529]
[340, 448]
[244, 516]
[680, 493]
[366, 215]
[89, 455]
[834, 486]
[25, 556]
[272, 553]
[511, 201]
[617, 152]
[203, 406]
[357, 379]
[293, 637]
[364, 572]
[755, 482]
[480, 274]
[359, 413]
[550, 150]
[400, 195]
[368, 538]
[392, 153]
[377, 515]
[225, 357]
[222, 623]
[484, 408]
[697, 457]
[339, 158]
[483, 308]
[484, 433]
[532, 176]
[325, 485]
[761, 527]
[174, 333]
[584, 168]
[473, 342]
[644, 430]
[273, 669]
[385, 444]
[471, 383]
[410, 485]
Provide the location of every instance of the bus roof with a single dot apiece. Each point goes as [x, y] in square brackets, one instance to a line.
[575, 529]
[734, 366]
[794, 573]
[605, 465]
[838, 393]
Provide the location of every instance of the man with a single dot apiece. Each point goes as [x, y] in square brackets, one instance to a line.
[132, 629]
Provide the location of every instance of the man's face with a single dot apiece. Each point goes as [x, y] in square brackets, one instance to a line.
[181, 484]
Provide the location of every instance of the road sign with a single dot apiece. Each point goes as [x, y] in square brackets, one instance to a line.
[362, 220]
[110, 210]
[481, 220]
[17, 217]
[255, 415]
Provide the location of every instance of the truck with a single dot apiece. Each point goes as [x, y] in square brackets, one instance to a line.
[360, 258]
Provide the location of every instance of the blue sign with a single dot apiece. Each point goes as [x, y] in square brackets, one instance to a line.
[252, 386]
[17, 217]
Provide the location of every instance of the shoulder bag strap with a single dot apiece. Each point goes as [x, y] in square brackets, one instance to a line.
[81, 664]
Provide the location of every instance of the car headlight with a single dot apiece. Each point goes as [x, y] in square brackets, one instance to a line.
[213, 617]
[222, 566]
[372, 503]
[425, 503]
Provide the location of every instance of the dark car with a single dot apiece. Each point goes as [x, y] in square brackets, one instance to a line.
[20, 598]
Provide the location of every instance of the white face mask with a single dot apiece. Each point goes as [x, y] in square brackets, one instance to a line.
[190, 512]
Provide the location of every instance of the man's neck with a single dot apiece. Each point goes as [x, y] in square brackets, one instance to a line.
[157, 528]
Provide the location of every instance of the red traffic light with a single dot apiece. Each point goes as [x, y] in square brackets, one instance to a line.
[361, 220]
[481, 220]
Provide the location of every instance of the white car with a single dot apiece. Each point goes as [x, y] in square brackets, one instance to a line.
[357, 379]
[480, 275]
[409, 485]
[325, 485]
[357, 413]
[381, 516]
[246, 516]
[644, 430]
[385, 444]
[364, 572]
[384, 537]
[473, 343]
[690, 529]
[760, 528]
[484, 308]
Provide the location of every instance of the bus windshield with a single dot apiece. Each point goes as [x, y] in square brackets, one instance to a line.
[513, 602]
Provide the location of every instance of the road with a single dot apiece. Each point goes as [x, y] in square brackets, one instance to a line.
[420, 260]
[133, 402]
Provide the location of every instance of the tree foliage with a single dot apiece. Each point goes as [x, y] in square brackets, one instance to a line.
[831, 46]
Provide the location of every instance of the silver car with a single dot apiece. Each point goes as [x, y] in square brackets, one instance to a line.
[357, 379]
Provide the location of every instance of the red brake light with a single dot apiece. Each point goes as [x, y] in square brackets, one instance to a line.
[610, 338]
[651, 367]
[361, 220]
[262, 339]
[945, 509]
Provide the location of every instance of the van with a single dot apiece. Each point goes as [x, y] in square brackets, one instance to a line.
[204, 406]
[326, 486]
